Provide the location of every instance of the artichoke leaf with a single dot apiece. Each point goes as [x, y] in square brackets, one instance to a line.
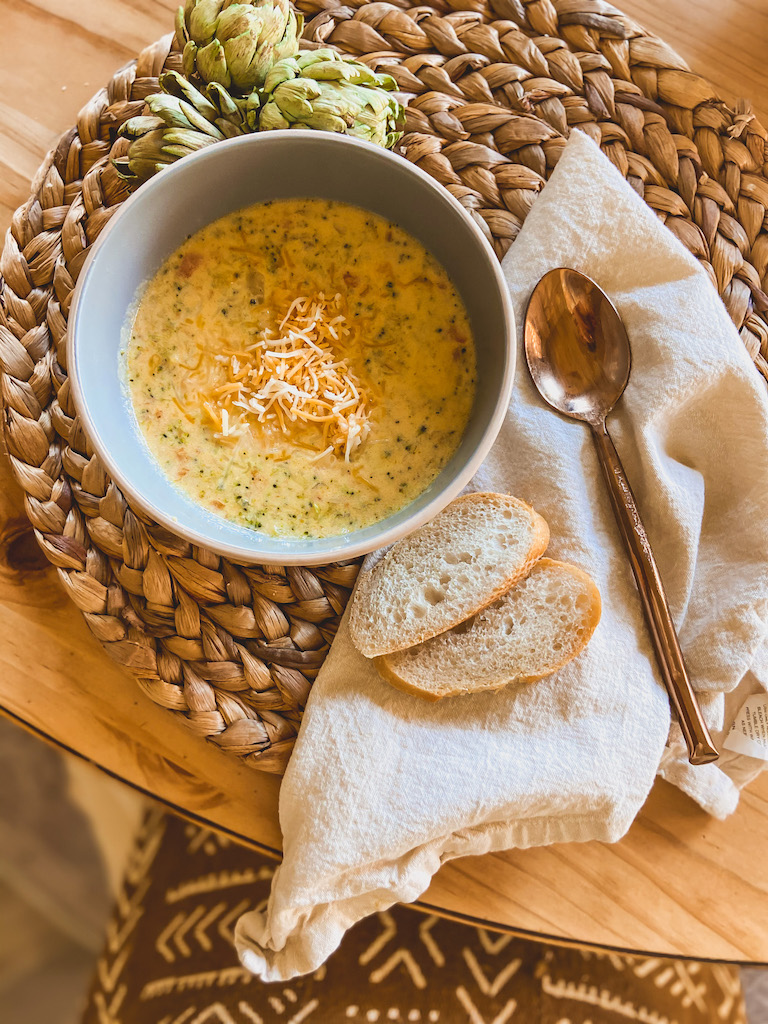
[229, 130]
[181, 38]
[189, 58]
[271, 119]
[211, 64]
[177, 85]
[202, 20]
[178, 113]
[186, 138]
[232, 109]
[136, 127]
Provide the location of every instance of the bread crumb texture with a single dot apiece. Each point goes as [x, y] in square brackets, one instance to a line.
[538, 626]
[445, 572]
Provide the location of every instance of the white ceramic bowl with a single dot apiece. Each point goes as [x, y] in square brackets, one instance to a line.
[226, 177]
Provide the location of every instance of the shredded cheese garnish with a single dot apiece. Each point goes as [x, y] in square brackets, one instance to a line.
[296, 376]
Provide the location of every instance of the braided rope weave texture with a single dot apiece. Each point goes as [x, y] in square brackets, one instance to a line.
[493, 89]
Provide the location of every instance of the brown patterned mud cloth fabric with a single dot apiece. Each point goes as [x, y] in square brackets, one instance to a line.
[169, 959]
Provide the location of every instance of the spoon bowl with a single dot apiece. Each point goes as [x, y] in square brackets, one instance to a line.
[576, 345]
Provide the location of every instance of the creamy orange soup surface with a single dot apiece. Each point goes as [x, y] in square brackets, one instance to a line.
[301, 367]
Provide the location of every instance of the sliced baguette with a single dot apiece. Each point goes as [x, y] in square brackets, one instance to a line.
[537, 627]
[451, 568]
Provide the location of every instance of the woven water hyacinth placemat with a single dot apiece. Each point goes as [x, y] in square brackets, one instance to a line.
[493, 90]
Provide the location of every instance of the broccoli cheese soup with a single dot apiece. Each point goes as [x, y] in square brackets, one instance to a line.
[301, 367]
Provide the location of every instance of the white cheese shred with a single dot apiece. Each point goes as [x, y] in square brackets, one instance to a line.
[296, 376]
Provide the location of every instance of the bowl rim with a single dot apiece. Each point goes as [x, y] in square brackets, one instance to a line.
[338, 547]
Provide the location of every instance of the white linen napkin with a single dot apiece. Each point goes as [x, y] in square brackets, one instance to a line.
[383, 787]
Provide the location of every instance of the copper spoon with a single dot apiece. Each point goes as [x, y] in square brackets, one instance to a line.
[578, 354]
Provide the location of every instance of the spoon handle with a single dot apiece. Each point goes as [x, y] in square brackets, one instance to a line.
[701, 750]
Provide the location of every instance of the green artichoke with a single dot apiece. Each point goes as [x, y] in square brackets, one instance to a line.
[182, 120]
[322, 89]
[235, 44]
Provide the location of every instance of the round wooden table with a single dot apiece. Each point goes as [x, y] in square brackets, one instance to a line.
[678, 884]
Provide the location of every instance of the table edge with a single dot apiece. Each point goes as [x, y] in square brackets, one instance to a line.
[419, 905]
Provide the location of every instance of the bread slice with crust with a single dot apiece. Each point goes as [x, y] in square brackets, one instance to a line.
[449, 569]
[533, 630]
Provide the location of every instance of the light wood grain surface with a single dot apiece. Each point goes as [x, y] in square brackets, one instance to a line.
[679, 883]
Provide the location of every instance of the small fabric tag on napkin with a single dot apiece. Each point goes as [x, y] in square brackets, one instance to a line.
[749, 732]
